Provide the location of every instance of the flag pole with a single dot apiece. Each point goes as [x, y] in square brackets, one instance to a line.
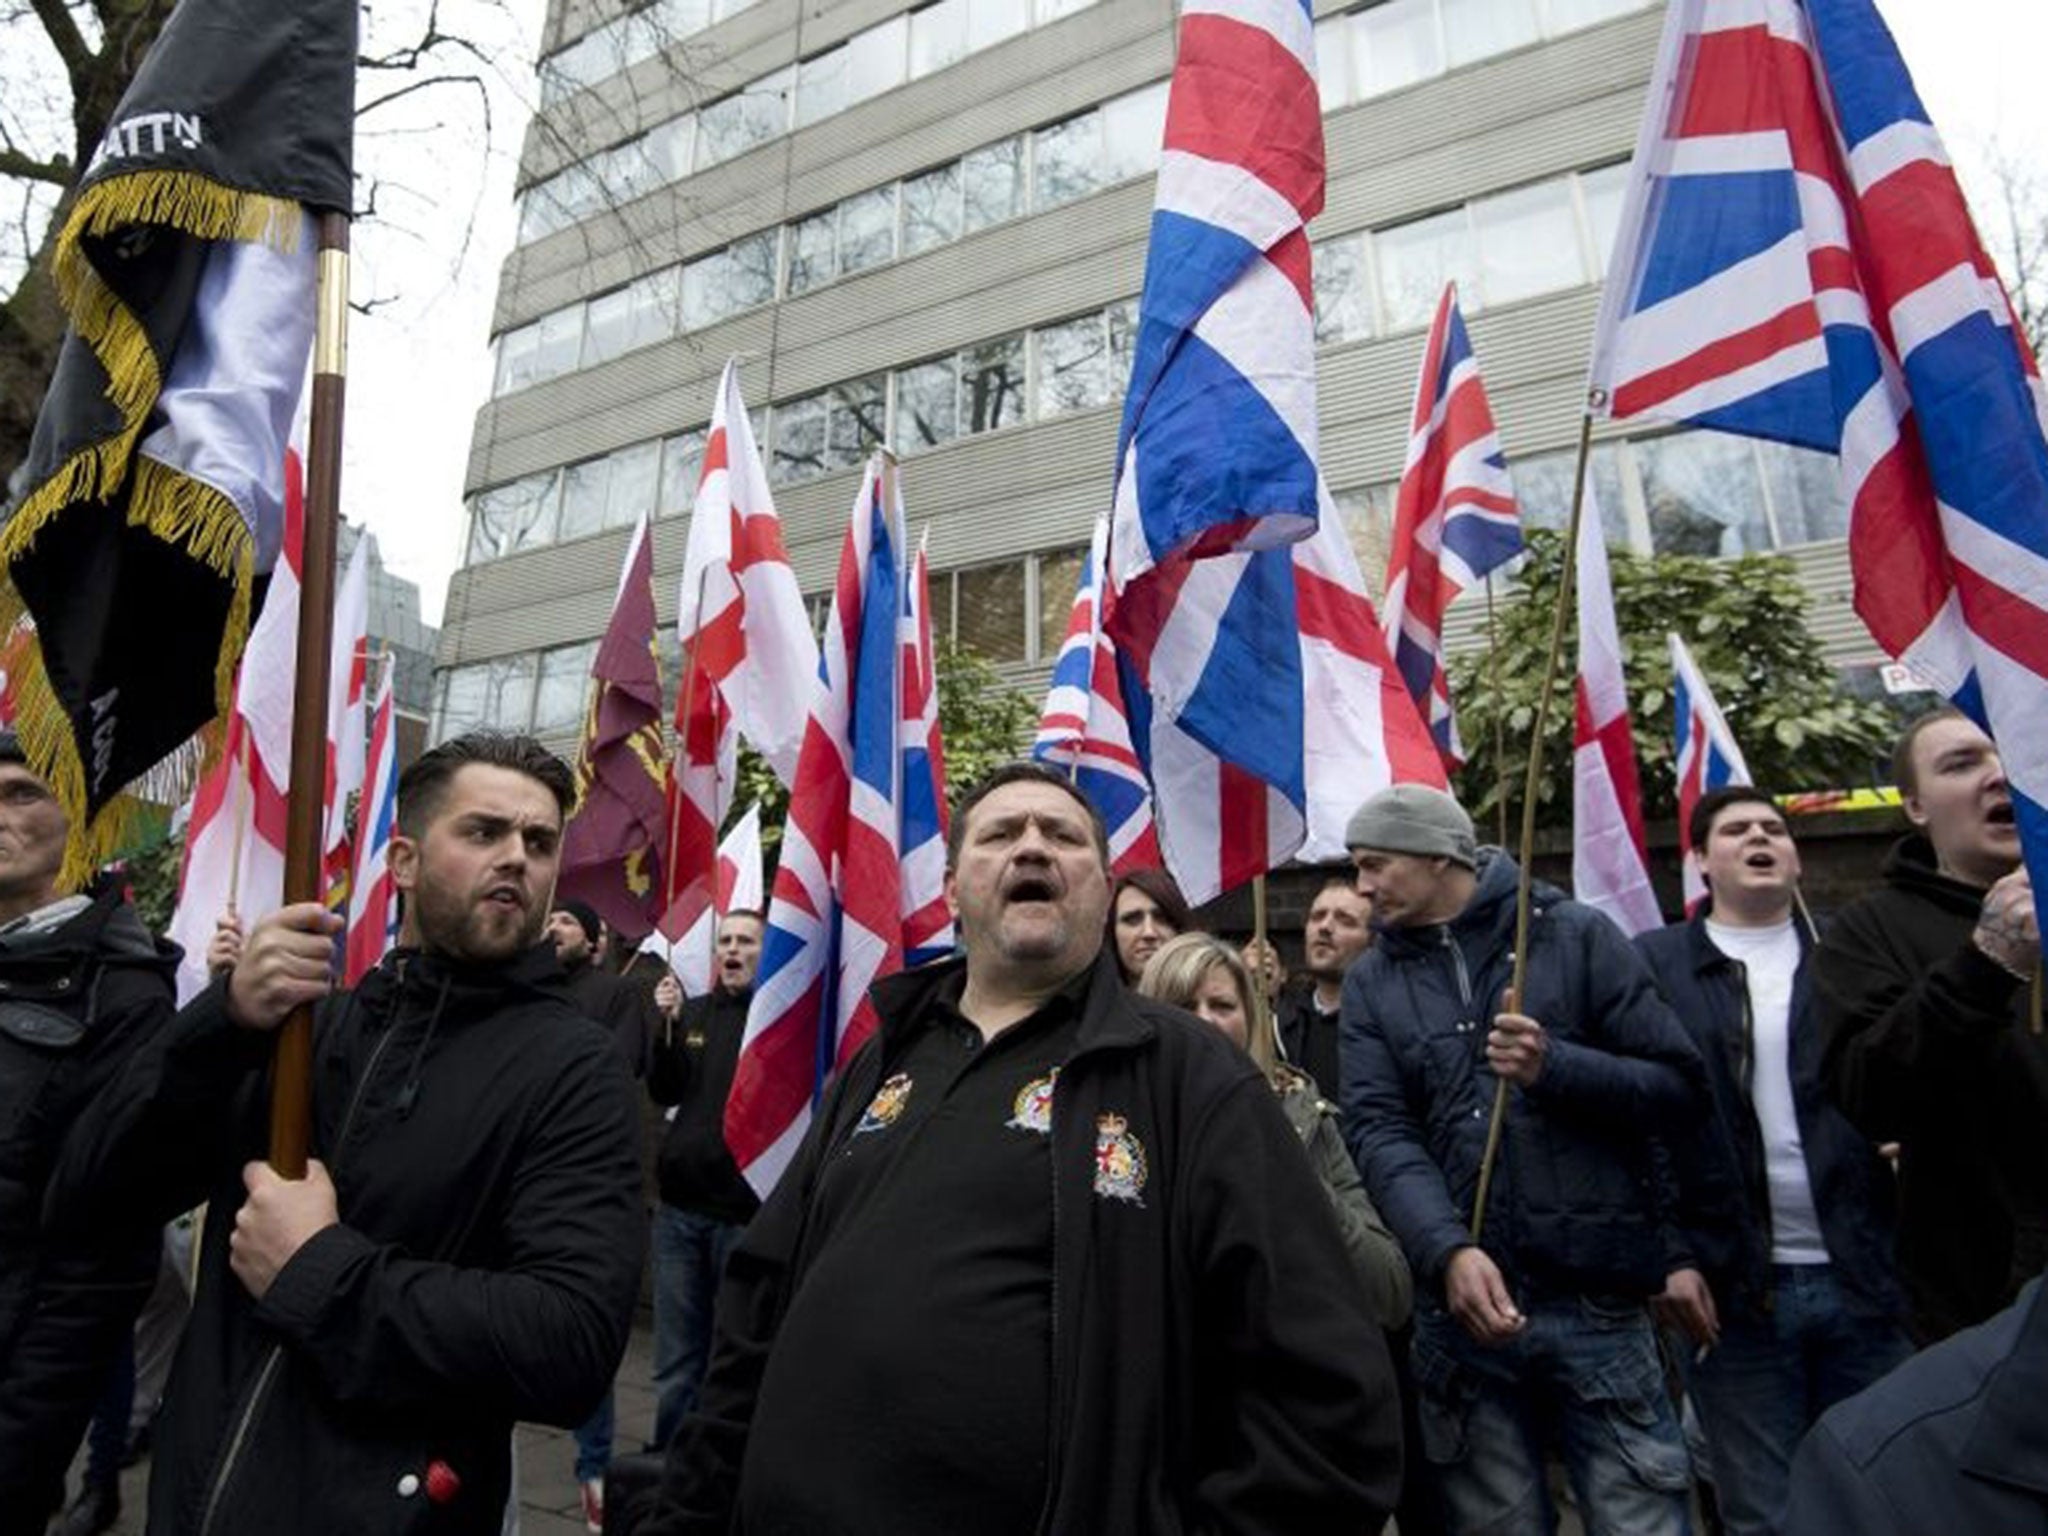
[686, 714]
[1530, 785]
[238, 815]
[1500, 715]
[1262, 1008]
[291, 1091]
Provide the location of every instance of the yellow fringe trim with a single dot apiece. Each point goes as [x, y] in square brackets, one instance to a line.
[174, 508]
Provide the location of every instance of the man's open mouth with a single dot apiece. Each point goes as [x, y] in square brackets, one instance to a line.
[505, 896]
[1030, 888]
[2000, 815]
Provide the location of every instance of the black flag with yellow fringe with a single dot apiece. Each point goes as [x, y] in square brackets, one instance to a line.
[155, 477]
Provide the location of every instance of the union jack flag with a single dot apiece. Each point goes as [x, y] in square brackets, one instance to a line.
[836, 910]
[1706, 758]
[1796, 262]
[1084, 730]
[372, 907]
[1455, 519]
[1216, 457]
[927, 923]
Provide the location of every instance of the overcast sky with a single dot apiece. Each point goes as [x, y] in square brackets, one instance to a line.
[419, 369]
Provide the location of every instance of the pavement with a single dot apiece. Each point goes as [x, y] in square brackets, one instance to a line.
[549, 1503]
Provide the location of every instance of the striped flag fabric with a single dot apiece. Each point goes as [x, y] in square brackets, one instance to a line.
[1217, 447]
[347, 720]
[1455, 518]
[927, 921]
[1796, 262]
[1216, 453]
[1083, 730]
[153, 497]
[835, 911]
[372, 900]
[738, 890]
[1706, 756]
[749, 656]
[1610, 861]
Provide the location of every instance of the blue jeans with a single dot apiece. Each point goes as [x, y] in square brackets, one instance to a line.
[1771, 1376]
[594, 1441]
[1583, 1376]
[689, 1260]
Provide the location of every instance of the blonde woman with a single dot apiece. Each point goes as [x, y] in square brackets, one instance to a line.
[1201, 974]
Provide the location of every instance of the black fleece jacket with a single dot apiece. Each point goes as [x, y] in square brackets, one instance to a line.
[1214, 1368]
[75, 1003]
[691, 1067]
[481, 1138]
[1926, 1044]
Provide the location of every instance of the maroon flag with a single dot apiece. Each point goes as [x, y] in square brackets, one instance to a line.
[611, 852]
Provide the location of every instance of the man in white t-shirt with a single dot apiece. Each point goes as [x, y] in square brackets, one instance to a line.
[1782, 1277]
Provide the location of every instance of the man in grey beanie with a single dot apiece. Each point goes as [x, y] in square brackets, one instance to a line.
[1544, 1324]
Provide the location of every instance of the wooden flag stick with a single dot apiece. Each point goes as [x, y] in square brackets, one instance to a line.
[1530, 785]
[1500, 718]
[1262, 1006]
[291, 1089]
[670, 869]
[240, 794]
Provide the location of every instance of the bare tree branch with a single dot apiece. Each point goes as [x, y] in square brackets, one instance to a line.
[473, 81]
[64, 36]
[56, 170]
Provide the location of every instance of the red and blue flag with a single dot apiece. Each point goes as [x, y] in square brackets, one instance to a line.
[1706, 756]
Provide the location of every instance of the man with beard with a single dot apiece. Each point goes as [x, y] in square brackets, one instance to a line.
[1049, 1258]
[464, 1250]
[82, 986]
[1923, 992]
[1335, 935]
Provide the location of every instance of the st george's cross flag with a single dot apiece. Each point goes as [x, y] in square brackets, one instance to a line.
[372, 898]
[1796, 262]
[1610, 859]
[738, 888]
[155, 500]
[750, 659]
[1455, 519]
[1705, 756]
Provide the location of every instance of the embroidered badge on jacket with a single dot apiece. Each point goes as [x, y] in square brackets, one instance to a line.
[886, 1106]
[1031, 1110]
[1119, 1160]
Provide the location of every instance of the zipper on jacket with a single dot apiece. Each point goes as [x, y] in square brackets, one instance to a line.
[1054, 1433]
[276, 1354]
[1458, 964]
[241, 1434]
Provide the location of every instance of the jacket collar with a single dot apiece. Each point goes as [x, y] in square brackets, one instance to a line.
[1911, 866]
[1489, 917]
[1108, 1016]
[2009, 1442]
[1707, 956]
[533, 973]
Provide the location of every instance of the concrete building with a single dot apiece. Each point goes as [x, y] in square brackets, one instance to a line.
[396, 626]
[927, 228]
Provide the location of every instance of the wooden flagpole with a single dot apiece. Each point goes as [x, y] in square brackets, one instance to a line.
[675, 817]
[291, 1091]
[1530, 785]
[1262, 1006]
[241, 798]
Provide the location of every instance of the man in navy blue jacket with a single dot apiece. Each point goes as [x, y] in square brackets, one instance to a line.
[1787, 1287]
[1545, 1325]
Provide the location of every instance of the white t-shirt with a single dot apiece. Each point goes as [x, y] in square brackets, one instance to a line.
[1770, 957]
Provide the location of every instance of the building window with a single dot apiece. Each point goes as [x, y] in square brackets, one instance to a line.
[857, 421]
[1702, 494]
[607, 332]
[799, 451]
[992, 385]
[1395, 44]
[1479, 29]
[1603, 191]
[867, 230]
[931, 209]
[1059, 582]
[513, 517]
[682, 459]
[992, 21]
[496, 694]
[1066, 160]
[1343, 288]
[1416, 260]
[1074, 366]
[877, 59]
[1528, 242]
[561, 695]
[813, 243]
[989, 614]
[992, 184]
[820, 87]
[726, 282]
[749, 117]
[938, 37]
[1133, 131]
[635, 476]
[927, 400]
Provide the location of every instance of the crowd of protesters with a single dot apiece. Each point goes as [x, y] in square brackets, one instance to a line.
[1111, 1227]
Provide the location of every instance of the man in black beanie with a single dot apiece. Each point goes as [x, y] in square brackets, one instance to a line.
[602, 996]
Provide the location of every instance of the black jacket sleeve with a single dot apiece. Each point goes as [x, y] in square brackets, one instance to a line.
[1298, 1422]
[543, 1330]
[188, 1104]
[701, 1480]
[1900, 1040]
[669, 1061]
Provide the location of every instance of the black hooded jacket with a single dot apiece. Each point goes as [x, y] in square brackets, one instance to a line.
[75, 1003]
[1926, 1044]
[1214, 1366]
[691, 1067]
[480, 1135]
